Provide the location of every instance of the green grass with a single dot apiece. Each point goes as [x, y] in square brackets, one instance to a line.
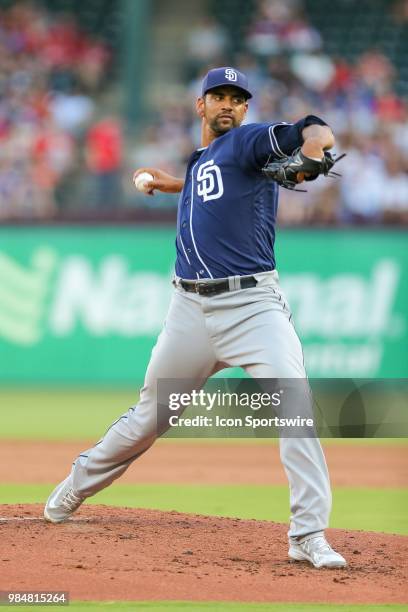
[224, 606]
[365, 509]
[61, 414]
[85, 414]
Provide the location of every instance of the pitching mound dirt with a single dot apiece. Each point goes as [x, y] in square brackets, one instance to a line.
[107, 553]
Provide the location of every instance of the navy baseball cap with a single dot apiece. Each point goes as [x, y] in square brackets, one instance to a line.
[225, 76]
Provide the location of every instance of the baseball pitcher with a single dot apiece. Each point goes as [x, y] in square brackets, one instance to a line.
[227, 307]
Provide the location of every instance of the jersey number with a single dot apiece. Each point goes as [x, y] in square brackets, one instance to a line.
[209, 181]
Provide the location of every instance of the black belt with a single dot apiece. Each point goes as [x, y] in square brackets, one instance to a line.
[219, 285]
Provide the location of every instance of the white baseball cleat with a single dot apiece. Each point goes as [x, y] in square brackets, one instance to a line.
[317, 551]
[62, 502]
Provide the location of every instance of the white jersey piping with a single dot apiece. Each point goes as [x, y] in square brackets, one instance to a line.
[272, 137]
[185, 253]
[191, 220]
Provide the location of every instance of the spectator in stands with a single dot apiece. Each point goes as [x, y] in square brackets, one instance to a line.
[52, 158]
[71, 111]
[315, 71]
[279, 26]
[364, 180]
[399, 132]
[395, 197]
[375, 70]
[317, 206]
[21, 195]
[206, 43]
[104, 156]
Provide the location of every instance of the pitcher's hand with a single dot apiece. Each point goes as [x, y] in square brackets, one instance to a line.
[161, 181]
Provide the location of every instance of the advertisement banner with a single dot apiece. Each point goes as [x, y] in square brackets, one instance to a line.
[85, 305]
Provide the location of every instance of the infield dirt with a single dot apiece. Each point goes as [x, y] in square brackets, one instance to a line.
[203, 463]
[109, 553]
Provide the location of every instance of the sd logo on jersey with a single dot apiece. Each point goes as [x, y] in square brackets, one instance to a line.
[209, 180]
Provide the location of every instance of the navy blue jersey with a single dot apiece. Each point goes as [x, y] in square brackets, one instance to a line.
[227, 209]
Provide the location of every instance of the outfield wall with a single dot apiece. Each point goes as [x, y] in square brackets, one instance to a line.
[84, 305]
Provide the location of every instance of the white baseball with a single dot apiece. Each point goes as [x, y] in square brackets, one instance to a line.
[141, 181]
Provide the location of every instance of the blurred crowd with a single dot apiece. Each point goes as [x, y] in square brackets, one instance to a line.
[51, 72]
[292, 75]
[56, 150]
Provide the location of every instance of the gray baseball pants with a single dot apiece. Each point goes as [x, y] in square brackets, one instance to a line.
[250, 328]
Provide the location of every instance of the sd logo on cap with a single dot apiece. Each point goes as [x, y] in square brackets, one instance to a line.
[225, 76]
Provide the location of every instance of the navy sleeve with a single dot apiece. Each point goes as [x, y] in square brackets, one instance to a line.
[256, 143]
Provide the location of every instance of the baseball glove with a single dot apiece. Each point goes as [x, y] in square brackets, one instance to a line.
[285, 171]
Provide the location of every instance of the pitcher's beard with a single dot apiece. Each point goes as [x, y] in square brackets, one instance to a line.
[219, 129]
